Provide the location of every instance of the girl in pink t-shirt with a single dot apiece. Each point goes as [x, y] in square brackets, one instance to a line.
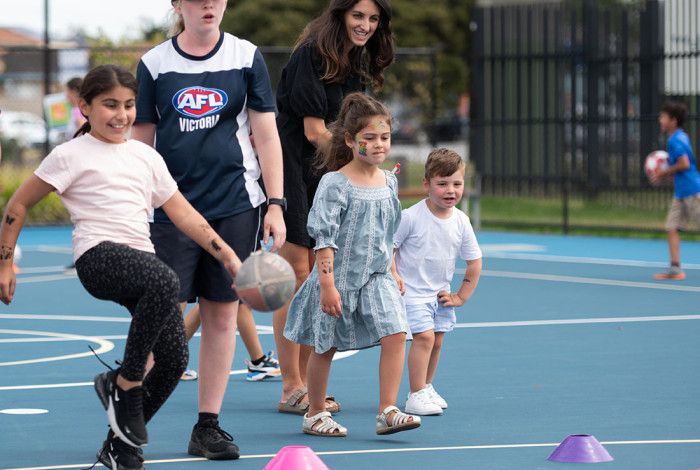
[109, 184]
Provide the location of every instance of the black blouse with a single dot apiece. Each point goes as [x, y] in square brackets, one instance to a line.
[301, 93]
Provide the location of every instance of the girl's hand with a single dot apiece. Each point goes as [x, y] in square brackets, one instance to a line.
[399, 282]
[448, 299]
[8, 280]
[330, 302]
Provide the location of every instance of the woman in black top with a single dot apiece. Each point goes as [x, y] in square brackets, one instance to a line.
[342, 51]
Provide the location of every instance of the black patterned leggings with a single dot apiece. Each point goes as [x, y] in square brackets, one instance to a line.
[148, 288]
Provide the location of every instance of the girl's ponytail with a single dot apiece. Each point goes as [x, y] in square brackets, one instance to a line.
[84, 129]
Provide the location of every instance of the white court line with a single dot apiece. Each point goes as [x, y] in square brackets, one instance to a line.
[125, 319]
[264, 329]
[336, 357]
[585, 260]
[21, 316]
[576, 321]
[67, 250]
[389, 451]
[53, 277]
[105, 346]
[46, 269]
[586, 280]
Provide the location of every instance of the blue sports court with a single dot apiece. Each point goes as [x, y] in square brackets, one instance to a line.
[565, 335]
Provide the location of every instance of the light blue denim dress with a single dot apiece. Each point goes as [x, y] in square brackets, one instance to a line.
[359, 224]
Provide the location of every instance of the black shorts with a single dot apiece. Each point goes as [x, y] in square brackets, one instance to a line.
[201, 275]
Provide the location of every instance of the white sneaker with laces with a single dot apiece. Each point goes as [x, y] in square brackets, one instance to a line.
[435, 396]
[420, 403]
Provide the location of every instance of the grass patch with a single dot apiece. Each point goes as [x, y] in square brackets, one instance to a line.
[49, 211]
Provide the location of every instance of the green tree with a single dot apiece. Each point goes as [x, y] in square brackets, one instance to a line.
[442, 24]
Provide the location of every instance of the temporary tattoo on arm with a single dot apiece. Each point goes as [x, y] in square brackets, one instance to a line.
[466, 280]
[9, 219]
[6, 252]
[326, 266]
[215, 245]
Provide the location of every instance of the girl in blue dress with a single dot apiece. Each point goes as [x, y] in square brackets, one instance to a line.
[351, 299]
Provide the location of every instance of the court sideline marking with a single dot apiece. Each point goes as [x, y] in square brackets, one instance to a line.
[575, 321]
[586, 280]
[391, 450]
[105, 346]
[584, 260]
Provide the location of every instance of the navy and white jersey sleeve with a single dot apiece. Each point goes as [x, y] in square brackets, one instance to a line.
[259, 87]
[146, 97]
[200, 105]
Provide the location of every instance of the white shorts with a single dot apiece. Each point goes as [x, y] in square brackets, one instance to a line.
[430, 316]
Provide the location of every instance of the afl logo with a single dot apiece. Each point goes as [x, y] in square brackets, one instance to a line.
[197, 102]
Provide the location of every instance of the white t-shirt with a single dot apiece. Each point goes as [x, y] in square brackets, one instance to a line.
[108, 190]
[427, 249]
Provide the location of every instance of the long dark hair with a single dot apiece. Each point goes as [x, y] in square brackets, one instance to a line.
[102, 79]
[355, 112]
[339, 56]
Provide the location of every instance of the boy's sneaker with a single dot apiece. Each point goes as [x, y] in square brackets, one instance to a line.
[119, 455]
[268, 367]
[124, 409]
[435, 396]
[210, 441]
[420, 403]
[673, 273]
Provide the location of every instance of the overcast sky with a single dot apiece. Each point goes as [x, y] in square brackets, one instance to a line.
[117, 18]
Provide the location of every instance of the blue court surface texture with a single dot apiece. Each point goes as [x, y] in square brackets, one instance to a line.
[565, 335]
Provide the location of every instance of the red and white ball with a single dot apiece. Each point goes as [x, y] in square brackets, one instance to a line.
[265, 281]
[655, 161]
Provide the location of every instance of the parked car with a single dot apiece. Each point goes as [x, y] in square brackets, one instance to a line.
[27, 129]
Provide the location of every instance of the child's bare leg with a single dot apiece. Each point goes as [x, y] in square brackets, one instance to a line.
[674, 246]
[390, 369]
[248, 332]
[419, 357]
[304, 354]
[319, 368]
[434, 357]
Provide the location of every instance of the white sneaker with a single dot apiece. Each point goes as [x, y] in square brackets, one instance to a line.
[435, 396]
[420, 403]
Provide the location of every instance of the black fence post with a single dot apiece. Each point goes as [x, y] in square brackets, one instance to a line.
[651, 74]
[477, 91]
[591, 54]
[47, 71]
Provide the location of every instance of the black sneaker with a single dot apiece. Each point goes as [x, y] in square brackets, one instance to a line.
[124, 409]
[210, 441]
[118, 455]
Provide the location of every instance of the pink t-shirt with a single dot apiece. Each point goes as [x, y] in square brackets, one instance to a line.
[108, 189]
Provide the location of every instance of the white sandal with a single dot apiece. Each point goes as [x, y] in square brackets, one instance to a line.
[400, 422]
[322, 424]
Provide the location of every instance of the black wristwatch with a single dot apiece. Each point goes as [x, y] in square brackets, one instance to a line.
[278, 201]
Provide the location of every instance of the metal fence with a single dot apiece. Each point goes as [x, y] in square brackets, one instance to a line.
[565, 97]
[411, 83]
